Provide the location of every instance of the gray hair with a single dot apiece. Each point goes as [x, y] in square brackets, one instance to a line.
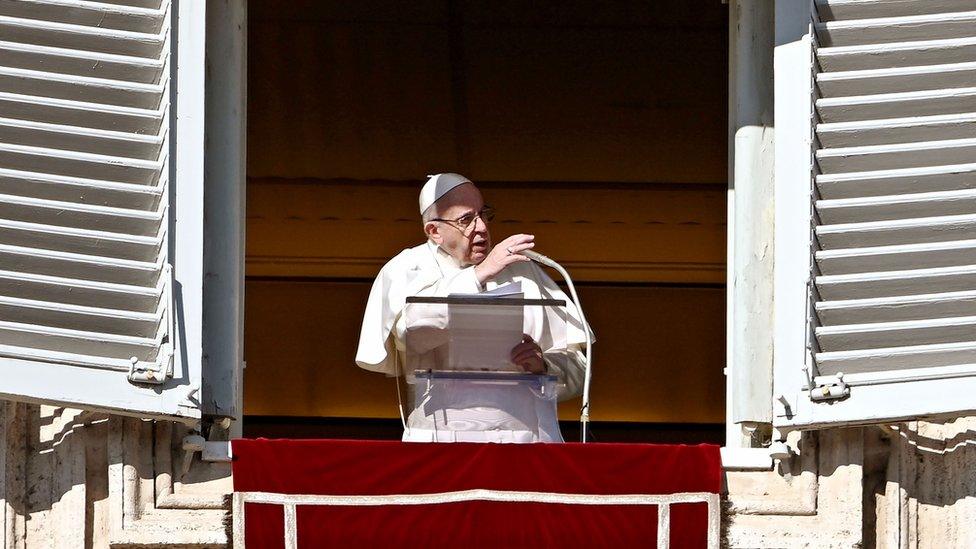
[430, 214]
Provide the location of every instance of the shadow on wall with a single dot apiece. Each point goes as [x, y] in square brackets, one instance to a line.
[937, 458]
[931, 461]
[860, 485]
[64, 471]
[56, 470]
[922, 473]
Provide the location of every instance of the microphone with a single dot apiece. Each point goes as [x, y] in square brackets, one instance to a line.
[585, 408]
[539, 258]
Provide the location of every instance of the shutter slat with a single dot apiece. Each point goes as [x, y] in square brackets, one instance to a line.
[61, 357]
[896, 283]
[81, 37]
[93, 14]
[70, 239]
[117, 169]
[73, 138]
[877, 335]
[936, 26]
[929, 255]
[89, 343]
[150, 4]
[895, 232]
[90, 267]
[895, 156]
[80, 113]
[879, 208]
[81, 63]
[829, 10]
[899, 130]
[81, 88]
[81, 190]
[900, 181]
[79, 317]
[895, 105]
[905, 357]
[907, 54]
[899, 79]
[79, 291]
[895, 308]
[68, 214]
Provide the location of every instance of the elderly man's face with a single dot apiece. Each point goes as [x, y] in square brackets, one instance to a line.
[468, 245]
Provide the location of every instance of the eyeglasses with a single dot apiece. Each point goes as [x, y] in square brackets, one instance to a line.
[466, 221]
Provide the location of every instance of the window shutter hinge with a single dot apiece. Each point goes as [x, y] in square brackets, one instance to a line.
[152, 373]
[158, 371]
[830, 388]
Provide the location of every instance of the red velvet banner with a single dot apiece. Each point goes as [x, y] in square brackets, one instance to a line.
[518, 475]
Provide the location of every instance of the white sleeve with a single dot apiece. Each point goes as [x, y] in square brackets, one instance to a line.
[569, 365]
[464, 281]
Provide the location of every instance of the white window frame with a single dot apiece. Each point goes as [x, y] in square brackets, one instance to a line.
[749, 277]
[224, 204]
[187, 192]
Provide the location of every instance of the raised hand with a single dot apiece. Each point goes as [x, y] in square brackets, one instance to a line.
[502, 255]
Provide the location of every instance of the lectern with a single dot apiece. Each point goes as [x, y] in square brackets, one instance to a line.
[464, 384]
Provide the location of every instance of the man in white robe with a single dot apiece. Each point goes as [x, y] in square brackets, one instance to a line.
[458, 259]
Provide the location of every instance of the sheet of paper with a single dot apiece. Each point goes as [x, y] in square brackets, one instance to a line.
[512, 289]
[482, 336]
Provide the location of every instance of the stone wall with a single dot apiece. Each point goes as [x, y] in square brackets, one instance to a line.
[911, 485]
[73, 479]
[79, 479]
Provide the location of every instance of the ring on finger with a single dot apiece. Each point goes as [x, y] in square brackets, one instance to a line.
[509, 250]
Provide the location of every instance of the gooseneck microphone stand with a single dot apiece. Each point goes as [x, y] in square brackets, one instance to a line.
[585, 409]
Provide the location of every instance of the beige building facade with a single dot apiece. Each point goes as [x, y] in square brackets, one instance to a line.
[812, 280]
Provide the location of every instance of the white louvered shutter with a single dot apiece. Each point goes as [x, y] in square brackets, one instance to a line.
[87, 315]
[891, 304]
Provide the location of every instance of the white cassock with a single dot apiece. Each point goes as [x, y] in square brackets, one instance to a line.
[426, 270]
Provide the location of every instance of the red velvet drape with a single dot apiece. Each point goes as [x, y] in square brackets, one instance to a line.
[337, 467]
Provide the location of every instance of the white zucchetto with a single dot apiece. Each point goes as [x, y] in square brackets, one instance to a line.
[437, 186]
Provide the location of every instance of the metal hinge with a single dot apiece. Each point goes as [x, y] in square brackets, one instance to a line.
[158, 372]
[830, 388]
[148, 372]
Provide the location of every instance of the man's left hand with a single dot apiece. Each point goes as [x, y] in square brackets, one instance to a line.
[528, 356]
